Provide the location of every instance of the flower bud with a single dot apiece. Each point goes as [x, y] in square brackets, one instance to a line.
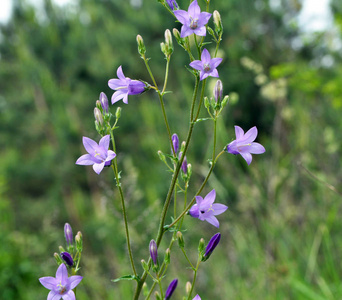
[184, 163]
[189, 170]
[154, 252]
[180, 239]
[167, 256]
[206, 102]
[188, 287]
[179, 40]
[79, 241]
[98, 104]
[161, 156]
[141, 45]
[68, 234]
[171, 289]
[61, 249]
[163, 48]
[175, 142]
[118, 113]
[157, 295]
[104, 102]
[57, 258]
[67, 258]
[168, 42]
[211, 246]
[144, 265]
[225, 101]
[201, 245]
[217, 23]
[145, 289]
[218, 91]
[98, 116]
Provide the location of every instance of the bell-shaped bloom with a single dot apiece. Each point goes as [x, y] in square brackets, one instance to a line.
[245, 145]
[197, 297]
[61, 286]
[172, 3]
[124, 86]
[193, 20]
[98, 154]
[68, 234]
[214, 241]
[206, 210]
[67, 258]
[171, 288]
[207, 65]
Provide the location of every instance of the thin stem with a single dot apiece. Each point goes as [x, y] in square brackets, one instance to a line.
[114, 167]
[166, 73]
[149, 70]
[187, 258]
[194, 279]
[214, 146]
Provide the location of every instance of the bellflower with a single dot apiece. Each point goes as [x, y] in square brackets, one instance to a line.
[124, 86]
[193, 20]
[62, 286]
[197, 297]
[214, 241]
[98, 154]
[171, 288]
[68, 234]
[245, 145]
[207, 65]
[206, 210]
[172, 3]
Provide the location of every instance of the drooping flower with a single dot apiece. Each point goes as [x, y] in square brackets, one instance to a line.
[197, 297]
[214, 241]
[68, 234]
[67, 258]
[171, 288]
[124, 86]
[245, 145]
[172, 3]
[193, 20]
[206, 210]
[154, 252]
[207, 65]
[98, 154]
[62, 286]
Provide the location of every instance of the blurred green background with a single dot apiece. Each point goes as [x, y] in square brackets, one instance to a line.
[282, 234]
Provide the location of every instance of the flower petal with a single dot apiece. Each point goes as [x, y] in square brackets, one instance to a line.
[74, 281]
[48, 282]
[213, 221]
[209, 199]
[200, 31]
[118, 95]
[70, 295]
[85, 160]
[120, 74]
[197, 65]
[203, 75]
[54, 296]
[239, 133]
[98, 167]
[194, 211]
[115, 83]
[219, 208]
[215, 62]
[110, 155]
[89, 145]
[251, 135]
[256, 148]
[62, 274]
[186, 31]
[205, 56]
[104, 142]
[182, 16]
[247, 157]
[194, 10]
[213, 73]
[203, 19]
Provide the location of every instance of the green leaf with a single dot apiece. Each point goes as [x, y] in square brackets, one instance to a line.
[127, 277]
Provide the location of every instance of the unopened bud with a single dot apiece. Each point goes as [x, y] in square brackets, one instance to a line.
[67, 258]
[167, 256]
[175, 142]
[178, 38]
[98, 104]
[206, 102]
[211, 246]
[201, 245]
[98, 116]
[57, 258]
[161, 156]
[157, 295]
[118, 113]
[217, 23]
[79, 241]
[168, 42]
[144, 265]
[218, 91]
[225, 101]
[163, 48]
[61, 249]
[184, 163]
[180, 239]
[171, 288]
[189, 170]
[104, 102]
[141, 45]
[188, 287]
[154, 252]
[145, 289]
[68, 234]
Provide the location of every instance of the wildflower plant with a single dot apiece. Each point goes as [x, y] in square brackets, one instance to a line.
[203, 63]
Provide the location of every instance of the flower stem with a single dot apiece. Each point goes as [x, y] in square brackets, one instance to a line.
[194, 279]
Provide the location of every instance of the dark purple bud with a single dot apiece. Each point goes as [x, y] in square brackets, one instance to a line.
[218, 91]
[68, 234]
[184, 163]
[154, 252]
[67, 258]
[104, 102]
[171, 289]
[175, 142]
[172, 4]
[211, 246]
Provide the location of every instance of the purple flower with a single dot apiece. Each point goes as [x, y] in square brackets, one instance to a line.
[98, 154]
[175, 142]
[245, 145]
[206, 210]
[172, 3]
[104, 102]
[124, 86]
[184, 165]
[154, 252]
[218, 91]
[197, 297]
[61, 286]
[171, 289]
[193, 20]
[211, 246]
[67, 258]
[68, 234]
[206, 65]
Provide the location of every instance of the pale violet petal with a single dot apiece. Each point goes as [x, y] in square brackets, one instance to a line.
[62, 274]
[98, 167]
[213, 221]
[85, 160]
[89, 145]
[53, 296]
[118, 95]
[247, 157]
[110, 155]
[48, 282]
[104, 142]
[205, 56]
[74, 281]
[197, 65]
[203, 75]
[182, 16]
[203, 19]
[210, 198]
[194, 10]
[115, 84]
[251, 135]
[125, 99]
[219, 208]
[120, 74]
[256, 148]
[186, 31]
[70, 295]
[215, 62]
[239, 133]
[200, 31]
[194, 211]
[213, 73]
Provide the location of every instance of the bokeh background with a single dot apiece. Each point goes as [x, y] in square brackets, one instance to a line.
[281, 237]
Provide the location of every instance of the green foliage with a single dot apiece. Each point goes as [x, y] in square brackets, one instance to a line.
[281, 238]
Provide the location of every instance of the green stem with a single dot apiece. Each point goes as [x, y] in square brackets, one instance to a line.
[194, 279]
[214, 146]
[115, 169]
[166, 73]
